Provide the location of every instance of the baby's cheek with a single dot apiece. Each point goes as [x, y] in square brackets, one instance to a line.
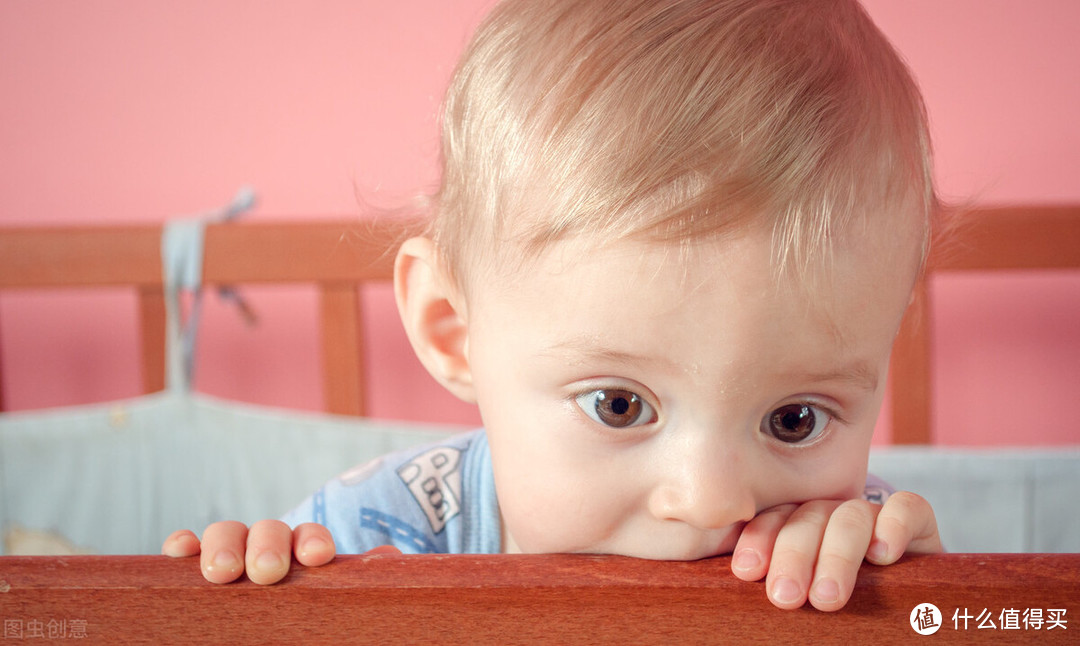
[838, 474]
[838, 481]
[525, 515]
[843, 489]
[548, 519]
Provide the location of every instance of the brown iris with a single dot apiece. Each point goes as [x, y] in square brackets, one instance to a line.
[792, 423]
[618, 408]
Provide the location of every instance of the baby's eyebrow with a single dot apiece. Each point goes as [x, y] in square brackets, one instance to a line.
[583, 349]
[859, 375]
[579, 350]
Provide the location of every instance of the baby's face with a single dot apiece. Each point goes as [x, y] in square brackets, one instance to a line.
[646, 403]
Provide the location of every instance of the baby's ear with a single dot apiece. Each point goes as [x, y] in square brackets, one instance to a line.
[432, 310]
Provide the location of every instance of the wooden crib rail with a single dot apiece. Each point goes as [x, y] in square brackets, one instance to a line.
[561, 599]
[339, 255]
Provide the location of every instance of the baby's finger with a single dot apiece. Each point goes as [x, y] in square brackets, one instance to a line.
[313, 544]
[222, 551]
[906, 524]
[269, 551]
[383, 549]
[795, 553]
[750, 559]
[181, 543]
[842, 550]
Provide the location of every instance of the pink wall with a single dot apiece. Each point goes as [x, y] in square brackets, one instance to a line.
[137, 111]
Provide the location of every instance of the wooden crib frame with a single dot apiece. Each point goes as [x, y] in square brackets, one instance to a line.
[556, 599]
[502, 599]
[1019, 238]
[338, 256]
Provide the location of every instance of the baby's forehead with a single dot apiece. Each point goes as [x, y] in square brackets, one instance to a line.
[643, 286]
[648, 306]
[862, 247]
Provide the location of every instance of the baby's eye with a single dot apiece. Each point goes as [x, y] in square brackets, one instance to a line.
[616, 408]
[795, 423]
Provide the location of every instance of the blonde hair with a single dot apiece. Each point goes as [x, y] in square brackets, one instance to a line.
[673, 119]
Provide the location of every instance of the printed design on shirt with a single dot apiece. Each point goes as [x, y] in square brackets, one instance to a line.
[434, 480]
[875, 494]
[396, 529]
[318, 506]
[360, 473]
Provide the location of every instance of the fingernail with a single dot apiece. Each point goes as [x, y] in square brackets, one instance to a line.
[268, 561]
[785, 591]
[746, 559]
[826, 590]
[225, 560]
[313, 545]
[878, 550]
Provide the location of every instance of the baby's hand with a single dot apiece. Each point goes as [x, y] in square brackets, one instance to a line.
[265, 551]
[814, 550]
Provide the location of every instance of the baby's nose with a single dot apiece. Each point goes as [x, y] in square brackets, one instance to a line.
[707, 489]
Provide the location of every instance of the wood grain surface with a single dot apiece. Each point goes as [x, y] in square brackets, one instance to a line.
[561, 599]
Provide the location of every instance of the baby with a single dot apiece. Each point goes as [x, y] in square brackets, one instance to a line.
[672, 247]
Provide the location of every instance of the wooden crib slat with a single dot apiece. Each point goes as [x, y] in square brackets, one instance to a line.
[561, 599]
[910, 373]
[152, 338]
[342, 350]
